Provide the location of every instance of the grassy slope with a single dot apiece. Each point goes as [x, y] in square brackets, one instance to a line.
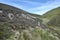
[52, 13]
[52, 16]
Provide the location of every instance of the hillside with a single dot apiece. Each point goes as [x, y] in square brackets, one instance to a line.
[52, 13]
[17, 24]
[16, 15]
[12, 18]
[53, 16]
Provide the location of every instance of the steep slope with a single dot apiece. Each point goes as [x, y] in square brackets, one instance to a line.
[13, 19]
[15, 15]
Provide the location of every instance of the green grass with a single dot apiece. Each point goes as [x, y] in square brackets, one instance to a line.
[37, 34]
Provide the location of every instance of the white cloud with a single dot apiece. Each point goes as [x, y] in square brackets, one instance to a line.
[31, 2]
[45, 7]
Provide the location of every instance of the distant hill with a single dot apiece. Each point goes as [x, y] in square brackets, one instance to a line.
[52, 13]
[36, 15]
[52, 16]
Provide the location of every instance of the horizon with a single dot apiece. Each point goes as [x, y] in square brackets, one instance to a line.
[33, 6]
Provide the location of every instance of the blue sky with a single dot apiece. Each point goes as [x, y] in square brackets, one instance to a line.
[33, 6]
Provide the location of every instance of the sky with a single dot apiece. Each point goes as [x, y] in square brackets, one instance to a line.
[33, 6]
